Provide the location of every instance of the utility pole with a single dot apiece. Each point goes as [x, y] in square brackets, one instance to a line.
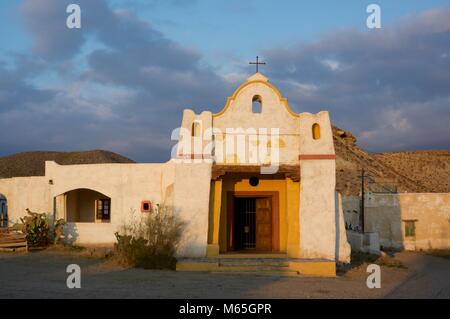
[361, 215]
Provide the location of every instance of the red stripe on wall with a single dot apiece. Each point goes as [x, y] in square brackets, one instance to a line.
[317, 157]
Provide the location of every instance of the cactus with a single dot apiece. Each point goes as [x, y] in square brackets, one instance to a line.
[38, 230]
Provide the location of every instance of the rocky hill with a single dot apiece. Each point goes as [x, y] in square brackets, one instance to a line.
[430, 168]
[421, 171]
[33, 163]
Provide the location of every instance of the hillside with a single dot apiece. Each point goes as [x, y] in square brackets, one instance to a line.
[406, 171]
[431, 168]
[33, 163]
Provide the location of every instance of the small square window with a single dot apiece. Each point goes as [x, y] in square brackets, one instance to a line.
[410, 228]
[146, 206]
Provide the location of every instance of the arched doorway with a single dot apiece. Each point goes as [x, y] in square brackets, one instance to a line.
[3, 211]
[84, 206]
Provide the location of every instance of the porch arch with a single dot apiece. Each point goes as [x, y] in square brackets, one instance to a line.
[83, 205]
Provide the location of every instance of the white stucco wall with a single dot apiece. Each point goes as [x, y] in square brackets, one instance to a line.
[126, 184]
[26, 192]
[386, 214]
[318, 218]
[236, 115]
[317, 210]
[191, 203]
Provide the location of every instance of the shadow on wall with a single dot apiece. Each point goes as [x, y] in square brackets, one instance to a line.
[69, 234]
[342, 245]
[382, 215]
[190, 244]
[404, 221]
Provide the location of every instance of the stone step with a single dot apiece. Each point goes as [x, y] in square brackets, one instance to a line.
[272, 273]
[252, 263]
[252, 268]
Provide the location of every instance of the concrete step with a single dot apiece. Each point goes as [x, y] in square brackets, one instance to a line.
[271, 273]
[252, 263]
[262, 266]
[268, 267]
[252, 268]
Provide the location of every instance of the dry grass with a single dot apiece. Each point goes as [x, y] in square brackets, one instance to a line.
[150, 243]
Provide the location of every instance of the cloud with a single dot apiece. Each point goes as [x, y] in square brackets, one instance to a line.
[389, 86]
[118, 83]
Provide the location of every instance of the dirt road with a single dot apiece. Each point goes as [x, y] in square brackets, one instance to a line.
[43, 275]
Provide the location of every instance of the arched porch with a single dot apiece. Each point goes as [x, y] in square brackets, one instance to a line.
[83, 205]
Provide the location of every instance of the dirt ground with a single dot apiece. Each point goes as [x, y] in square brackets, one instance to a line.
[43, 275]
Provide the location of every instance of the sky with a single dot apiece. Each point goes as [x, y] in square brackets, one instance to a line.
[121, 82]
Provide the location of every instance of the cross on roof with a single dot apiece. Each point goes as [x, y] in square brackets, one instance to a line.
[257, 63]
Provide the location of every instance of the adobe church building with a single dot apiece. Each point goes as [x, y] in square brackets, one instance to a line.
[254, 180]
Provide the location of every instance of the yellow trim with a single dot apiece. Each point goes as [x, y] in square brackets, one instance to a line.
[242, 86]
[289, 205]
[314, 268]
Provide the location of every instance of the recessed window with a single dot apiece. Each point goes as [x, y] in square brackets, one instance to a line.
[103, 209]
[254, 181]
[316, 131]
[410, 228]
[257, 104]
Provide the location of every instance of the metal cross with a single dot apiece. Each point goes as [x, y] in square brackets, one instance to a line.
[257, 63]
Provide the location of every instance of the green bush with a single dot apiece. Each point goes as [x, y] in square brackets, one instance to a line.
[152, 242]
[38, 229]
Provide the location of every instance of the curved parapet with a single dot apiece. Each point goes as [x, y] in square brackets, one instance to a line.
[255, 84]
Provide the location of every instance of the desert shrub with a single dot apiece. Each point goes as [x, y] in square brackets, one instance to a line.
[150, 242]
[39, 230]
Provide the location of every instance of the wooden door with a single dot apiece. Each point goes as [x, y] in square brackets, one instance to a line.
[264, 224]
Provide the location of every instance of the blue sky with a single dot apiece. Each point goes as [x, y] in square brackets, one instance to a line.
[236, 30]
[243, 28]
[110, 84]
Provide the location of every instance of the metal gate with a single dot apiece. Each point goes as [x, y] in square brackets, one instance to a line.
[245, 223]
